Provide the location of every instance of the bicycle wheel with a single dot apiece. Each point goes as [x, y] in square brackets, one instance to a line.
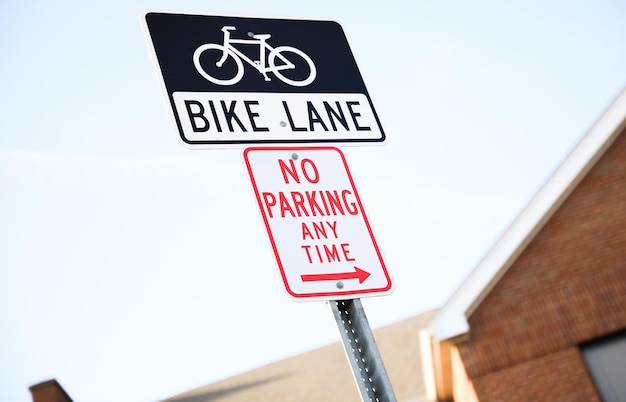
[218, 63]
[292, 60]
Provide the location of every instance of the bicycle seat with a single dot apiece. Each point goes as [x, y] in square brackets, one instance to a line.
[262, 36]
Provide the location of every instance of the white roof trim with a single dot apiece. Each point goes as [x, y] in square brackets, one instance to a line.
[451, 320]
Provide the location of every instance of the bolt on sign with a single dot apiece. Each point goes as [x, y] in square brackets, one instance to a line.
[322, 240]
[233, 81]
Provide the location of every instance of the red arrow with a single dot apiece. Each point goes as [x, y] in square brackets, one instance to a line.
[357, 274]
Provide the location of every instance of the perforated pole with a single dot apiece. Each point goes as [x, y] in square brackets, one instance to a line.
[358, 341]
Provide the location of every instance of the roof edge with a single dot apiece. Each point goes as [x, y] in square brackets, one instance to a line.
[451, 320]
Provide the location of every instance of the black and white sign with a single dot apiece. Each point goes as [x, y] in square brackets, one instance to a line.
[233, 81]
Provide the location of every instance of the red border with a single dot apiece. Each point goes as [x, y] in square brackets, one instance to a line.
[331, 295]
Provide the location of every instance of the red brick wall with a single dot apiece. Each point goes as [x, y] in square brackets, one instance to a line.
[568, 286]
[559, 376]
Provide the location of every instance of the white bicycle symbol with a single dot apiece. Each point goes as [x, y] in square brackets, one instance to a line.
[277, 60]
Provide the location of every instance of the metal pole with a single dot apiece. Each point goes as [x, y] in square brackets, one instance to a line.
[358, 341]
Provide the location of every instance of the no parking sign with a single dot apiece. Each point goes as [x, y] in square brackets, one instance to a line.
[322, 240]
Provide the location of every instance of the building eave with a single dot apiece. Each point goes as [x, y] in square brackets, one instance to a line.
[451, 321]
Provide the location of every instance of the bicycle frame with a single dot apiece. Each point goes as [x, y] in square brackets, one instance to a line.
[267, 62]
[261, 39]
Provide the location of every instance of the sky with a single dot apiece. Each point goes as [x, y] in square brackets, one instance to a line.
[133, 269]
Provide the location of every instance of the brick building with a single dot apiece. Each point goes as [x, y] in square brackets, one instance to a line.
[543, 316]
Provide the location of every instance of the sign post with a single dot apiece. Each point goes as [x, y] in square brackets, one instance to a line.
[358, 341]
[233, 82]
[324, 246]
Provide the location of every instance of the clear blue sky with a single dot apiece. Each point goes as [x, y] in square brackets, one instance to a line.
[132, 268]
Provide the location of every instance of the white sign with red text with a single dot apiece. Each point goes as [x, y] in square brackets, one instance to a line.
[324, 245]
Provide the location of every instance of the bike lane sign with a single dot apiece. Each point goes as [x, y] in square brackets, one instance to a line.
[232, 81]
[322, 240]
